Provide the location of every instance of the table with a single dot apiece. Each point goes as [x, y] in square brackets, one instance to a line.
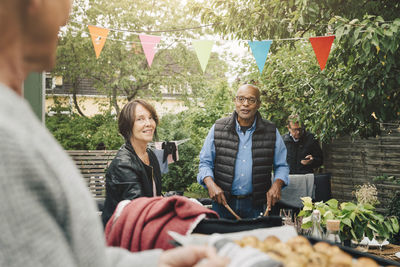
[387, 252]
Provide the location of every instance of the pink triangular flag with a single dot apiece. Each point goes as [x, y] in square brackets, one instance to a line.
[322, 47]
[149, 43]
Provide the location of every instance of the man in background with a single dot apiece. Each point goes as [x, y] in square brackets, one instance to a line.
[304, 154]
[48, 217]
[238, 156]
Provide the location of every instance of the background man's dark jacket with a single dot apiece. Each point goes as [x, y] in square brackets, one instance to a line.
[296, 151]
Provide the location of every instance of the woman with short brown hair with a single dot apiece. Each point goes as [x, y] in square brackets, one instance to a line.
[135, 171]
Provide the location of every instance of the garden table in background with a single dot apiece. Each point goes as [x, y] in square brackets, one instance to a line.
[387, 252]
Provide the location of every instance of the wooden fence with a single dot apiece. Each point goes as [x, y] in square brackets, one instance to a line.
[93, 166]
[350, 161]
[357, 161]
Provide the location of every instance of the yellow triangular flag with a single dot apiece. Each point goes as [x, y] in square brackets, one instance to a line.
[99, 37]
[203, 51]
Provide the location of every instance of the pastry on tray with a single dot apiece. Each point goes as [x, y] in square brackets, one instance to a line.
[298, 251]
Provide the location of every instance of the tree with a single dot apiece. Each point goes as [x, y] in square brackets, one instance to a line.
[76, 132]
[359, 87]
[193, 124]
[122, 69]
[286, 84]
[259, 19]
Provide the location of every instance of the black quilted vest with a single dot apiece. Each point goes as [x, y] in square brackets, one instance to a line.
[226, 145]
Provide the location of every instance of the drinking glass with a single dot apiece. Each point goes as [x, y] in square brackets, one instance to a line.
[287, 217]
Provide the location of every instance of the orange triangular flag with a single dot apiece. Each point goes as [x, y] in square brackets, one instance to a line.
[99, 37]
[322, 47]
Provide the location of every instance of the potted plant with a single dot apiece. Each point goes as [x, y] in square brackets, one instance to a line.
[356, 220]
[394, 210]
[328, 210]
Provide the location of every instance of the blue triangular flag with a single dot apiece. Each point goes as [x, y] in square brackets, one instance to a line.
[260, 51]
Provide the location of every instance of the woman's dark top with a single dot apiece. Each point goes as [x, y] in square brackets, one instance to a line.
[128, 177]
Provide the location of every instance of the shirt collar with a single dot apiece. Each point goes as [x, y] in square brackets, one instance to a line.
[294, 139]
[252, 128]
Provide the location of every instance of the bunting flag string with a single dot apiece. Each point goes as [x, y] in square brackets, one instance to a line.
[321, 45]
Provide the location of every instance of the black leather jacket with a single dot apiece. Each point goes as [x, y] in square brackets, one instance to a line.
[296, 151]
[126, 178]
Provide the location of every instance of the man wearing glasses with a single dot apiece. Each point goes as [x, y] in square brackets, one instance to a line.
[237, 159]
[304, 153]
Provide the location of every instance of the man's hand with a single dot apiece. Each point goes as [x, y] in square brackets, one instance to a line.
[274, 193]
[214, 191]
[198, 256]
[307, 160]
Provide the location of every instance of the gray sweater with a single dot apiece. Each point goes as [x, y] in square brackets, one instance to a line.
[47, 216]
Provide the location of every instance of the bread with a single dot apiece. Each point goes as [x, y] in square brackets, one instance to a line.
[250, 241]
[269, 243]
[327, 249]
[341, 259]
[299, 252]
[316, 259]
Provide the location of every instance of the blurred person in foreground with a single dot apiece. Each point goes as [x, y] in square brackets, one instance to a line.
[135, 171]
[304, 154]
[238, 156]
[48, 217]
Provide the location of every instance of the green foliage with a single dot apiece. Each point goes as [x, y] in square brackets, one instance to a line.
[361, 87]
[218, 103]
[75, 132]
[195, 189]
[183, 172]
[328, 211]
[358, 89]
[387, 178]
[262, 20]
[193, 124]
[394, 210]
[286, 84]
[356, 220]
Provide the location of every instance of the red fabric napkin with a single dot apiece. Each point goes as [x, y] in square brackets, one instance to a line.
[144, 222]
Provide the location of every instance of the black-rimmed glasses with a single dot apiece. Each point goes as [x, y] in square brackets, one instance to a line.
[296, 129]
[250, 100]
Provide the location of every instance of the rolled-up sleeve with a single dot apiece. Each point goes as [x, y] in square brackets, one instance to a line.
[281, 168]
[207, 157]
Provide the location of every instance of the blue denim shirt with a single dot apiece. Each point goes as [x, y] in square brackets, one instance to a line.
[242, 181]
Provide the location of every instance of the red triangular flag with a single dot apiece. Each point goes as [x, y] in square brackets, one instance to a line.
[322, 47]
